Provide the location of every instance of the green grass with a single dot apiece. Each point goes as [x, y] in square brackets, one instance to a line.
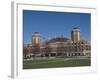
[56, 62]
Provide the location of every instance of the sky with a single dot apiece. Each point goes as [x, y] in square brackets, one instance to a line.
[55, 24]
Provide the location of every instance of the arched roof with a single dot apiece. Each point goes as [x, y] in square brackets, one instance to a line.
[58, 39]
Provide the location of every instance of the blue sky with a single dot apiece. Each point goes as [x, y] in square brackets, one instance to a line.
[52, 24]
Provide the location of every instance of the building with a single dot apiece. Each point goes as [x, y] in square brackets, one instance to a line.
[36, 39]
[59, 46]
[75, 35]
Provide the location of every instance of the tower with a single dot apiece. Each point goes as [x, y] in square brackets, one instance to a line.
[75, 34]
[36, 39]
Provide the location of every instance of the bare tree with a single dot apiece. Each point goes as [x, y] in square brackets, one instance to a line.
[47, 50]
[25, 52]
[36, 50]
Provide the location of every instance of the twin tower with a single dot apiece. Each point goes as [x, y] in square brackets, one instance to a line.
[75, 36]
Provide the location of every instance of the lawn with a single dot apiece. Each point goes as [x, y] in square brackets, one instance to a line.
[55, 62]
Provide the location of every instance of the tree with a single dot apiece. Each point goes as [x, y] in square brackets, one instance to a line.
[36, 50]
[61, 51]
[47, 50]
[25, 52]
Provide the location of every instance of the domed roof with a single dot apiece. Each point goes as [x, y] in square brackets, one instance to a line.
[58, 39]
[76, 29]
[36, 34]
